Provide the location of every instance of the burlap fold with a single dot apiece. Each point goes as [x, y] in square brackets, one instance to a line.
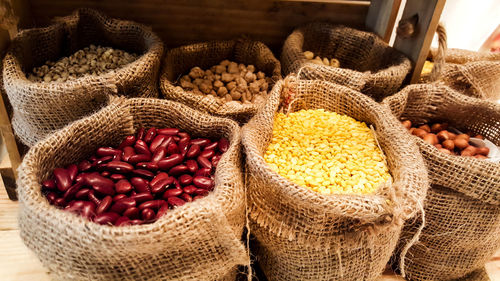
[198, 241]
[303, 235]
[40, 108]
[462, 208]
[180, 60]
[367, 63]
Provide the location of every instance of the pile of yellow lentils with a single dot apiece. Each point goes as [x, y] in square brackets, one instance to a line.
[326, 152]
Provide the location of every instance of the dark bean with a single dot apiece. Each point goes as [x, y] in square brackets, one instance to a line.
[128, 151]
[153, 204]
[190, 189]
[171, 161]
[159, 154]
[201, 142]
[148, 214]
[107, 151]
[204, 162]
[148, 166]
[140, 184]
[223, 145]
[158, 177]
[84, 165]
[122, 221]
[212, 146]
[100, 184]
[128, 141]
[197, 197]
[103, 160]
[168, 131]
[93, 198]
[70, 192]
[105, 174]
[156, 142]
[123, 186]
[172, 193]
[203, 182]
[162, 185]
[185, 180]
[176, 201]
[207, 153]
[117, 177]
[75, 206]
[140, 133]
[183, 146]
[49, 184]
[51, 197]
[193, 151]
[60, 202]
[142, 148]
[61, 176]
[104, 205]
[132, 213]
[166, 142]
[183, 135]
[192, 166]
[142, 197]
[204, 172]
[88, 210]
[201, 192]
[82, 193]
[186, 197]
[215, 160]
[177, 184]
[135, 222]
[162, 211]
[122, 205]
[106, 218]
[143, 173]
[137, 158]
[72, 171]
[119, 197]
[178, 170]
[150, 134]
[172, 148]
[119, 167]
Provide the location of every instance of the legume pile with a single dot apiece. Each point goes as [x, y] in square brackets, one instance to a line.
[137, 182]
[326, 152]
[322, 61]
[92, 60]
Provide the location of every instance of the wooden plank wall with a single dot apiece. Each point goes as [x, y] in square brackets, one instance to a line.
[184, 22]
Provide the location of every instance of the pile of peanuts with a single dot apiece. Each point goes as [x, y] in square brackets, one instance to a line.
[137, 182]
[92, 60]
[326, 152]
[447, 142]
[228, 81]
[322, 61]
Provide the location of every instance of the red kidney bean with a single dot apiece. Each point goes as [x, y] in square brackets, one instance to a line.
[72, 171]
[186, 197]
[171, 161]
[122, 221]
[184, 145]
[166, 142]
[203, 182]
[80, 177]
[122, 205]
[223, 145]
[204, 172]
[128, 151]
[159, 154]
[201, 142]
[140, 133]
[215, 160]
[183, 135]
[104, 205]
[75, 206]
[132, 213]
[142, 197]
[103, 160]
[140, 184]
[123, 186]
[193, 151]
[137, 158]
[162, 211]
[88, 210]
[158, 177]
[117, 177]
[119, 167]
[197, 197]
[135, 222]
[212, 146]
[63, 182]
[148, 166]
[105, 174]
[148, 214]
[84, 165]
[142, 148]
[156, 142]
[177, 184]
[185, 180]
[70, 192]
[190, 189]
[192, 166]
[51, 197]
[49, 184]
[150, 134]
[177, 138]
[207, 153]
[153, 204]
[204, 162]
[119, 197]
[100, 184]
[82, 193]
[92, 158]
[117, 157]
[172, 193]
[92, 197]
[107, 151]
[178, 170]
[60, 202]
[161, 186]
[172, 148]
[106, 218]
[143, 173]
[175, 201]
[168, 131]
[201, 192]
[128, 141]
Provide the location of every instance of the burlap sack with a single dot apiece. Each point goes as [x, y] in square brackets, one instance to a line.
[41, 108]
[462, 208]
[476, 74]
[180, 60]
[198, 241]
[303, 235]
[367, 63]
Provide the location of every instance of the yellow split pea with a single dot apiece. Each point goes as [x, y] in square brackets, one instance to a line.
[326, 152]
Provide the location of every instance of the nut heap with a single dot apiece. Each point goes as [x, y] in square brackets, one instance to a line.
[137, 182]
[90, 60]
[323, 61]
[447, 142]
[228, 81]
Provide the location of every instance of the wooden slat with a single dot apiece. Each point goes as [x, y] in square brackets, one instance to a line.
[184, 22]
[382, 17]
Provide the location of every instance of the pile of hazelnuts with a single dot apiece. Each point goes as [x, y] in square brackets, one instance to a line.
[448, 142]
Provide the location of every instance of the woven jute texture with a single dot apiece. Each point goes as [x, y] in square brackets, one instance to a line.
[462, 208]
[303, 235]
[40, 108]
[198, 241]
[475, 74]
[180, 60]
[367, 63]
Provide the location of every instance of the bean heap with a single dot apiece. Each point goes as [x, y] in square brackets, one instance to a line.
[322, 61]
[447, 142]
[137, 182]
[228, 81]
[326, 152]
[92, 60]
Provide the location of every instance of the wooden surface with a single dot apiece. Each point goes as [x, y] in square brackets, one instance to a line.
[382, 16]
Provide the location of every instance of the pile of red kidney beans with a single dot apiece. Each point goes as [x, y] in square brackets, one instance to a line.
[138, 181]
